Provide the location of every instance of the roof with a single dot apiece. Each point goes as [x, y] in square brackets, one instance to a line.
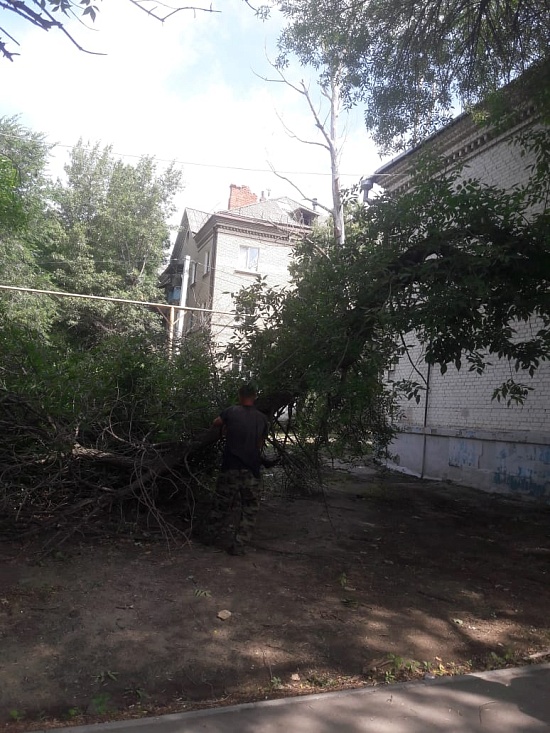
[463, 134]
[196, 219]
[282, 210]
[445, 130]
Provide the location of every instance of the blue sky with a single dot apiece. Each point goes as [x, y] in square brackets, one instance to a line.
[185, 90]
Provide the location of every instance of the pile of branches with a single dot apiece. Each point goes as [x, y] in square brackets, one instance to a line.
[54, 480]
[58, 481]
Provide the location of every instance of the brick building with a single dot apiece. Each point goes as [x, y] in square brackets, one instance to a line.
[458, 432]
[215, 255]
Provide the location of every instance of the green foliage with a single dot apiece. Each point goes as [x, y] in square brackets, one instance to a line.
[305, 340]
[101, 704]
[101, 232]
[124, 389]
[23, 196]
[91, 402]
[459, 263]
[12, 215]
[109, 235]
[468, 266]
[62, 411]
[410, 62]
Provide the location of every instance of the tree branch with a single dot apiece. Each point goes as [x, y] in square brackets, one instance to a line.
[44, 19]
[172, 10]
[282, 80]
[295, 137]
[318, 123]
[304, 197]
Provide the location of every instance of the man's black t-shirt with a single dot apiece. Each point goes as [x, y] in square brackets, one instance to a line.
[245, 431]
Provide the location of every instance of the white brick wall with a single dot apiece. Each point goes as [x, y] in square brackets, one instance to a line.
[227, 275]
[507, 448]
[463, 399]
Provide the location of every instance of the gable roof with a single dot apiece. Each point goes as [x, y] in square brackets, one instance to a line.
[282, 210]
[196, 219]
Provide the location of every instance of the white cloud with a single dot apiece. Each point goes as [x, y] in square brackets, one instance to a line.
[183, 90]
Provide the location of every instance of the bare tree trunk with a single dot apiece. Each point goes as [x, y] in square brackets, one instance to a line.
[334, 149]
[331, 142]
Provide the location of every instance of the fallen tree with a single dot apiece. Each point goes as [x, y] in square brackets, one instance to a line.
[54, 486]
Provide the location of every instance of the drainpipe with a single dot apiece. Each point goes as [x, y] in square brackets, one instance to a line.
[183, 295]
[213, 258]
[425, 421]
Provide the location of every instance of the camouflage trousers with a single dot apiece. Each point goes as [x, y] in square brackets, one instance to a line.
[233, 485]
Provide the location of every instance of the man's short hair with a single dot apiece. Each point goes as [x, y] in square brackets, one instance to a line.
[247, 391]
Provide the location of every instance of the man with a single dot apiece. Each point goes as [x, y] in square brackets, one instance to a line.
[245, 430]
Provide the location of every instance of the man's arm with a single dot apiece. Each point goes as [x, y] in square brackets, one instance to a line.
[218, 422]
[264, 435]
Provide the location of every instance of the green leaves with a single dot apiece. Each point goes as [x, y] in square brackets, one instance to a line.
[113, 233]
[511, 392]
[12, 213]
[408, 63]
[460, 264]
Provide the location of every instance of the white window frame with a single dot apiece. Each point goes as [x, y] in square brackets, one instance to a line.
[245, 261]
[193, 273]
[207, 258]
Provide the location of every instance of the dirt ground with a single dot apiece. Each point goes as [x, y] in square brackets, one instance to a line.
[383, 577]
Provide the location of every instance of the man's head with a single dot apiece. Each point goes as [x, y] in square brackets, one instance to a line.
[247, 394]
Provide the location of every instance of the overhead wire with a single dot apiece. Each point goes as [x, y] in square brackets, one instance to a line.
[176, 161]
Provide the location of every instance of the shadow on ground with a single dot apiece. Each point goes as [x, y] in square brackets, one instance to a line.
[381, 578]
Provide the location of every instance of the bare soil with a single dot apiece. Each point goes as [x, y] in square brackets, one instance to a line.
[380, 578]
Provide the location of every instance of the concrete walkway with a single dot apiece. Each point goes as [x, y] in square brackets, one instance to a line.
[504, 701]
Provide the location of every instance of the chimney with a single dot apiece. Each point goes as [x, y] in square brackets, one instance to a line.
[240, 196]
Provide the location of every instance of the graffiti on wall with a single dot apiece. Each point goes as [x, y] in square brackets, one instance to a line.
[523, 469]
[464, 453]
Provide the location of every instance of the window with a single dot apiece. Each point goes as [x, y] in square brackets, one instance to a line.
[248, 258]
[237, 365]
[193, 273]
[207, 262]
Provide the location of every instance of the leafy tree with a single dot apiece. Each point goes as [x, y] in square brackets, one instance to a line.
[112, 221]
[23, 222]
[409, 62]
[458, 263]
[94, 415]
[12, 214]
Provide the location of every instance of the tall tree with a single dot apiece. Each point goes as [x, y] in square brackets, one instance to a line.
[24, 225]
[409, 62]
[113, 222]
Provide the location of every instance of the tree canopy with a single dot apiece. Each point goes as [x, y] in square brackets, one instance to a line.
[103, 230]
[410, 62]
[458, 263]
